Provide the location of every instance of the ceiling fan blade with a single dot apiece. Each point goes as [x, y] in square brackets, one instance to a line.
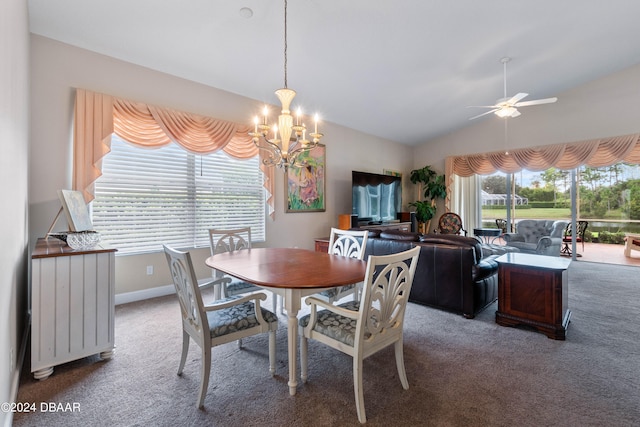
[484, 114]
[515, 114]
[514, 99]
[536, 102]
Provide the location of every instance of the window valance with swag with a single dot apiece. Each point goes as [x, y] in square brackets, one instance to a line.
[594, 153]
[97, 116]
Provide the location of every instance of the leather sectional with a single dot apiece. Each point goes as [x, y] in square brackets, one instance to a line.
[451, 274]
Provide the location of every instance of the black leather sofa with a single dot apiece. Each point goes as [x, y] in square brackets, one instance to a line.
[451, 273]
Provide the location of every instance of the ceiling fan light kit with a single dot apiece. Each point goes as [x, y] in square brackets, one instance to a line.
[508, 107]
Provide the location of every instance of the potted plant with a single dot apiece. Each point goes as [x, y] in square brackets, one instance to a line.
[431, 186]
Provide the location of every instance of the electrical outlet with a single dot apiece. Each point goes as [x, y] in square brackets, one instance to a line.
[149, 270]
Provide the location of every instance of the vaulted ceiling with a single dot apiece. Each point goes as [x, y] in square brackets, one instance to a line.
[403, 70]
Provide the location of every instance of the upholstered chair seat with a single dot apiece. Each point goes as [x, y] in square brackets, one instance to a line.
[542, 237]
[236, 318]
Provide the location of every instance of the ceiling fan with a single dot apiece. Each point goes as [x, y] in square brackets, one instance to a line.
[508, 107]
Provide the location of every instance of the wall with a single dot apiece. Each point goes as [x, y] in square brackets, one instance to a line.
[603, 108]
[59, 68]
[14, 149]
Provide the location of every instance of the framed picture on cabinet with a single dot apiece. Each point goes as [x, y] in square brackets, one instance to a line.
[305, 185]
[76, 210]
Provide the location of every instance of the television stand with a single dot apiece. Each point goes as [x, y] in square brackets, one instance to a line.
[401, 226]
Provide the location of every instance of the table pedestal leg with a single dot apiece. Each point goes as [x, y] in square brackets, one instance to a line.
[292, 302]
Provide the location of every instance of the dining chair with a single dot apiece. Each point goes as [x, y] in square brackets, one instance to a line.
[224, 321]
[581, 228]
[222, 241]
[347, 243]
[360, 329]
[501, 224]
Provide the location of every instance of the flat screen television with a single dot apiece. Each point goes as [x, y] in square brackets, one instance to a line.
[375, 198]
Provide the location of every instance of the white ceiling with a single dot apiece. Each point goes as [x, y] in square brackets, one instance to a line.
[404, 70]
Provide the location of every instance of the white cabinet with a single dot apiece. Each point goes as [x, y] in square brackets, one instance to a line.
[72, 304]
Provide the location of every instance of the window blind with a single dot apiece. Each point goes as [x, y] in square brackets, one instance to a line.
[149, 197]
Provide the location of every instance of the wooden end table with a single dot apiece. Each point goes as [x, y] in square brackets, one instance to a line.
[533, 291]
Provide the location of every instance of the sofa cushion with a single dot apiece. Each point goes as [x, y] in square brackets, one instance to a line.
[525, 247]
[373, 232]
[406, 236]
[456, 240]
[485, 268]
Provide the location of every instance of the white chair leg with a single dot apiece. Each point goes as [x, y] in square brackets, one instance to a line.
[357, 388]
[402, 373]
[185, 350]
[205, 371]
[275, 303]
[240, 343]
[272, 352]
[304, 361]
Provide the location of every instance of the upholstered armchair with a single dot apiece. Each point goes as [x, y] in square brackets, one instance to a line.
[542, 237]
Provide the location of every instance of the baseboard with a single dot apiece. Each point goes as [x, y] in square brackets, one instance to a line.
[159, 291]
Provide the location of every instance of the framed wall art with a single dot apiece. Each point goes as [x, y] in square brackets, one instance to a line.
[305, 185]
[392, 173]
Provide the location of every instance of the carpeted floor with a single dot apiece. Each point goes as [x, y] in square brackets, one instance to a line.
[461, 372]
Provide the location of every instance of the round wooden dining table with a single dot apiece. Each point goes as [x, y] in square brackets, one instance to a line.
[294, 274]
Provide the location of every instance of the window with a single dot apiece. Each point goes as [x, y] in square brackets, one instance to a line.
[149, 197]
[607, 197]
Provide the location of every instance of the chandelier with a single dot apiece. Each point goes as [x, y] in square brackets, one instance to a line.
[288, 141]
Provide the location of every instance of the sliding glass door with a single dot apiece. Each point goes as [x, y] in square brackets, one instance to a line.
[607, 197]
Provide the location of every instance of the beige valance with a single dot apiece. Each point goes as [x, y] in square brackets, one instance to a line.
[594, 153]
[97, 116]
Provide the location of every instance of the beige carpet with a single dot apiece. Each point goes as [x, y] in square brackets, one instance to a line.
[461, 372]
